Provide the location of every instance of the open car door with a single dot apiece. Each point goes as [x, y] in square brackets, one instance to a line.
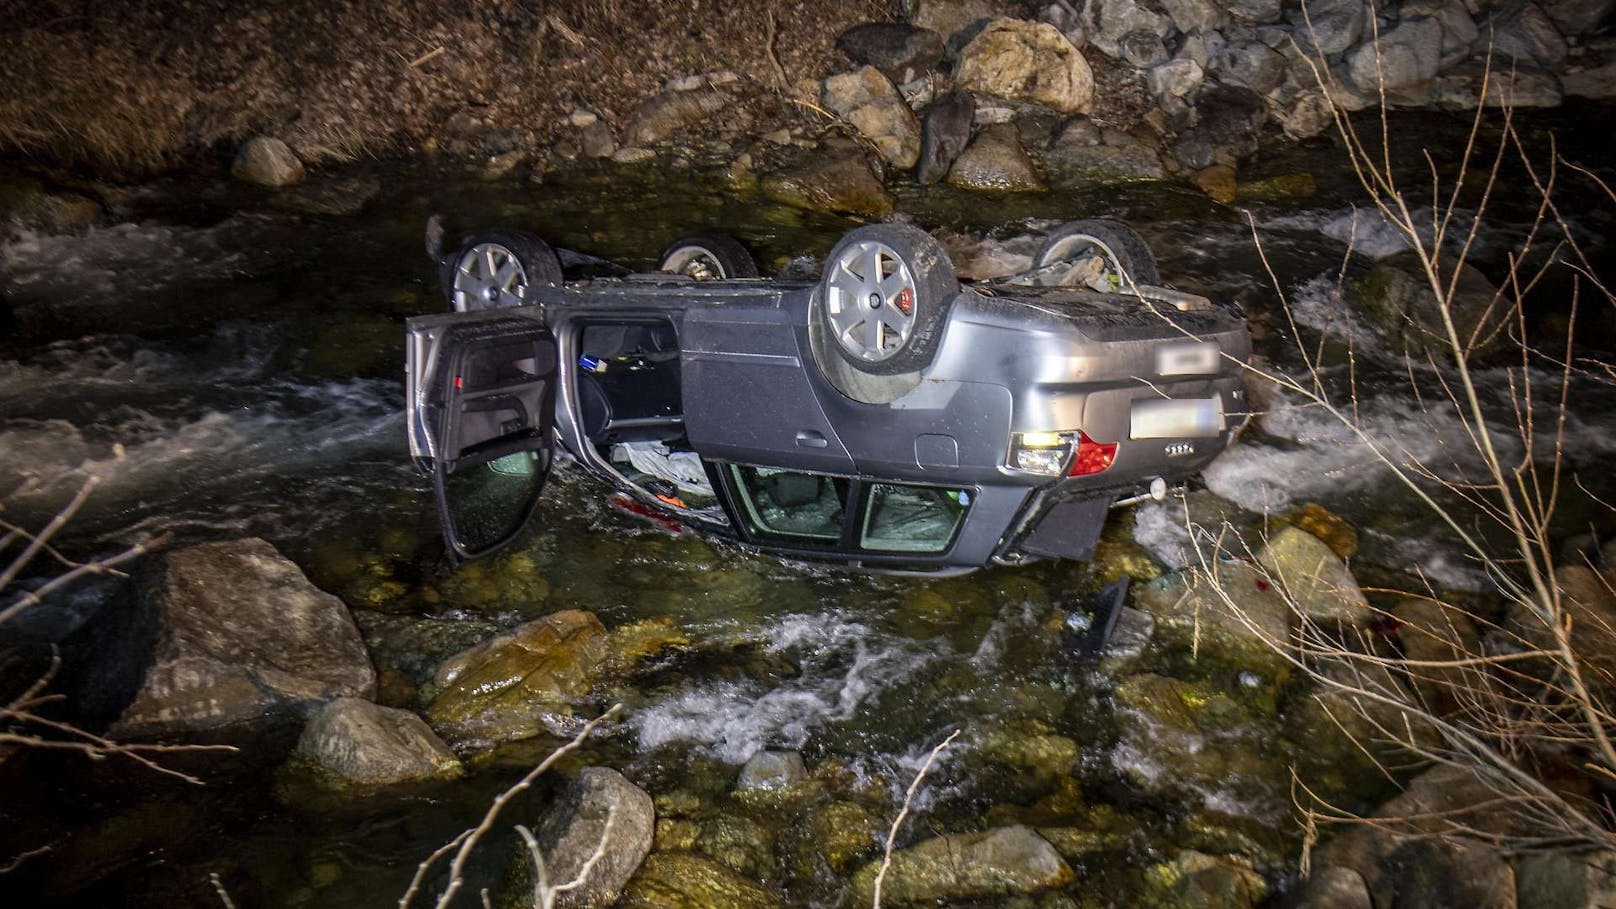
[481, 415]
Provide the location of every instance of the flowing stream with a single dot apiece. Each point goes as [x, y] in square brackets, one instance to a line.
[230, 369]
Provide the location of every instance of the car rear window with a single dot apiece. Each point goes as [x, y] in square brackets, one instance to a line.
[791, 503]
[912, 518]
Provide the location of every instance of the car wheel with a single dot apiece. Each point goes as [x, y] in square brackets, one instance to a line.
[494, 270]
[885, 291]
[708, 257]
[1106, 256]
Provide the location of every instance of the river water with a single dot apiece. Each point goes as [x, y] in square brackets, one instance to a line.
[227, 368]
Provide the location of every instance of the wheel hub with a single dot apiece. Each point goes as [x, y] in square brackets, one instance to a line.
[870, 301]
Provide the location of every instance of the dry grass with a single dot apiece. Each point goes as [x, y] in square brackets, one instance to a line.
[129, 89]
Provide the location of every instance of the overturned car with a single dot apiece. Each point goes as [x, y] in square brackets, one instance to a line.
[885, 416]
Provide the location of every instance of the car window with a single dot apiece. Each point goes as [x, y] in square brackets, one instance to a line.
[912, 518]
[791, 503]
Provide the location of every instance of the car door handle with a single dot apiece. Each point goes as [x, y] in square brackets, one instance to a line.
[809, 438]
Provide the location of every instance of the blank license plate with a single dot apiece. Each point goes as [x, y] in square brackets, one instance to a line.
[1193, 418]
[1194, 359]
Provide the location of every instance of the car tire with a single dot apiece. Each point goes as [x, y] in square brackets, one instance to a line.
[478, 276]
[1127, 258]
[708, 257]
[900, 278]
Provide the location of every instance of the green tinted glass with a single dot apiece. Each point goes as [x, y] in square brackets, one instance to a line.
[912, 518]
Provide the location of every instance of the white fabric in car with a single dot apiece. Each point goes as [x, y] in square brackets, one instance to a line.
[681, 468]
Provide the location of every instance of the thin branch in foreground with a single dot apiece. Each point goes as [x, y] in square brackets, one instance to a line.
[897, 822]
[463, 844]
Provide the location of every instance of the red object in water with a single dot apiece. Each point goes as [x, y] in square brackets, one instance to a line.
[1092, 457]
[630, 505]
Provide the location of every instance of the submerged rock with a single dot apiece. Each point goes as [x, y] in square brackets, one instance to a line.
[267, 161]
[996, 162]
[1334, 888]
[1247, 627]
[738, 843]
[1027, 61]
[1396, 297]
[869, 101]
[343, 197]
[1086, 154]
[833, 177]
[840, 834]
[601, 820]
[1000, 862]
[1195, 880]
[772, 770]
[505, 689]
[222, 634]
[674, 880]
[354, 744]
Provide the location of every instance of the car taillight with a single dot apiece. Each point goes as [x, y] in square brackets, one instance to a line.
[1092, 457]
[1055, 453]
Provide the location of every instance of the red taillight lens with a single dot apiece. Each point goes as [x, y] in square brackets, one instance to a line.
[1092, 457]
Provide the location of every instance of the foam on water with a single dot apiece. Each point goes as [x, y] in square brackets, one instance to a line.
[125, 259]
[842, 663]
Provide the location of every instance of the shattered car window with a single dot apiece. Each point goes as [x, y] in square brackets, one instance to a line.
[912, 518]
[792, 503]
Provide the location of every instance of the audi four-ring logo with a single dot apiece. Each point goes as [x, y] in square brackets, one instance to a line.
[1179, 449]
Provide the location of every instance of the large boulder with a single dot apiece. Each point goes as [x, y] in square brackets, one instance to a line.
[515, 685]
[1026, 61]
[996, 162]
[1563, 880]
[1396, 297]
[1191, 16]
[868, 100]
[900, 51]
[1174, 79]
[354, 744]
[951, 17]
[1250, 64]
[1575, 18]
[1431, 632]
[677, 880]
[1526, 34]
[1228, 120]
[1108, 22]
[1409, 55]
[834, 177]
[1004, 861]
[600, 821]
[1191, 613]
[219, 635]
[1327, 27]
[1196, 880]
[1319, 583]
[1334, 888]
[1087, 154]
[671, 112]
[267, 161]
[944, 134]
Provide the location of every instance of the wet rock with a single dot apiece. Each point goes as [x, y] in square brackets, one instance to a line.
[1575, 18]
[414, 647]
[1218, 182]
[1334, 888]
[996, 162]
[1319, 583]
[945, 133]
[772, 770]
[1130, 638]
[1342, 732]
[999, 862]
[842, 833]
[671, 112]
[1307, 115]
[1190, 613]
[1341, 537]
[832, 177]
[1598, 82]
[1027, 61]
[599, 812]
[1195, 880]
[26, 204]
[1196, 15]
[1558, 880]
[1409, 55]
[354, 744]
[1519, 87]
[1527, 34]
[900, 51]
[497, 167]
[1175, 78]
[870, 102]
[632, 155]
[338, 198]
[595, 140]
[1401, 861]
[218, 635]
[1032, 753]
[505, 689]
[1328, 27]
[1590, 606]
[1228, 120]
[1434, 634]
[1107, 22]
[683, 881]
[950, 17]
[267, 161]
[1250, 64]
[1396, 298]
[739, 844]
[1142, 48]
